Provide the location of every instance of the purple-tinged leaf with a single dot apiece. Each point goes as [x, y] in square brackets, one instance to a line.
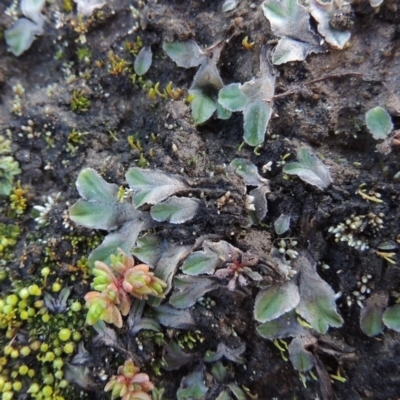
[176, 358]
[173, 318]
[188, 289]
[317, 299]
[283, 327]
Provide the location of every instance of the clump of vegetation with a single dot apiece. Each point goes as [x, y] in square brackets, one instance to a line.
[8, 167]
[113, 284]
[130, 384]
[254, 100]
[67, 6]
[207, 81]
[9, 235]
[134, 47]
[84, 54]
[79, 102]
[39, 332]
[75, 139]
[296, 286]
[294, 307]
[101, 207]
[118, 65]
[18, 199]
[168, 93]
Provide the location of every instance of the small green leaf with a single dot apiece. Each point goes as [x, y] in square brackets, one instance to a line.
[143, 61]
[317, 299]
[100, 207]
[172, 318]
[229, 5]
[260, 203]
[187, 289]
[248, 171]
[323, 12]
[287, 18]
[237, 391]
[224, 395]
[208, 78]
[92, 215]
[91, 186]
[232, 98]
[371, 315]
[290, 20]
[124, 239]
[203, 106]
[204, 89]
[20, 37]
[319, 311]
[283, 327]
[32, 8]
[219, 372]
[231, 354]
[282, 224]
[279, 13]
[223, 113]
[174, 356]
[175, 210]
[201, 262]
[302, 359]
[391, 317]
[149, 249]
[289, 50]
[157, 394]
[271, 303]
[388, 245]
[310, 169]
[256, 117]
[371, 322]
[192, 386]
[147, 324]
[152, 187]
[378, 122]
[168, 265]
[375, 3]
[186, 54]
[214, 255]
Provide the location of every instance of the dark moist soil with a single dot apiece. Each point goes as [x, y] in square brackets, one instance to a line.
[327, 116]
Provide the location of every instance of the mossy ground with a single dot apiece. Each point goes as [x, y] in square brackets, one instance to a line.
[83, 106]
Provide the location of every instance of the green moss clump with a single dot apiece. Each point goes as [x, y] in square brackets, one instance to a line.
[49, 339]
[79, 103]
[8, 167]
[8, 239]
